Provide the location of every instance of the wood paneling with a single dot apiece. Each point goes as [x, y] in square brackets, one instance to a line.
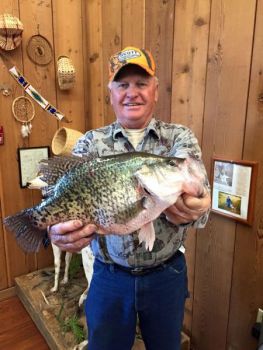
[189, 63]
[229, 54]
[159, 40]
[247, 277]
[3, 274]
[68, 40]
[133, 16]
[209, 64]
[111, 43]
[94, 82]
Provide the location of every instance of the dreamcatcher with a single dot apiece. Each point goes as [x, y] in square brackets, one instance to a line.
[24, 112]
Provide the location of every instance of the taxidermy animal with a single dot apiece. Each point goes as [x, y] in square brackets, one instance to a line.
[120, 194]
[87, 262]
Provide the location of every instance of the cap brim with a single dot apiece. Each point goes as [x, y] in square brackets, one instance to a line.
[146, 69]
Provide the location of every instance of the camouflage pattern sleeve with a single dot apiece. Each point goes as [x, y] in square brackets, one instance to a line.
[85, 145]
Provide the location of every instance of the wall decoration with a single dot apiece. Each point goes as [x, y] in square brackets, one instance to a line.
[29, 159]
[233, 188]
[11, 29]
[24, 112]
[64, 140]
[39, 50]
[33, 93]
[66, 73]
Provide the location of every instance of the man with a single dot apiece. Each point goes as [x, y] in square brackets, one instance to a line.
[129, 281]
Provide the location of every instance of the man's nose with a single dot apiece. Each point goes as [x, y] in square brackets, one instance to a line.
[132, 91]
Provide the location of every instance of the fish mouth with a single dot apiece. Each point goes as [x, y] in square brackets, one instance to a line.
[147, 191]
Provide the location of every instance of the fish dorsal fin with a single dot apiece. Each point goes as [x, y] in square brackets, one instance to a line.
[52, 169]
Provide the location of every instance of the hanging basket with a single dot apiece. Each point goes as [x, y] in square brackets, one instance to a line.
[64, 141]
[66, 73]
[11, 29]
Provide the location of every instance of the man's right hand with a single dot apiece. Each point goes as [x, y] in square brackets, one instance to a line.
[71, 236]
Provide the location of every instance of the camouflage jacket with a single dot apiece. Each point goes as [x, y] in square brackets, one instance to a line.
[162, 139]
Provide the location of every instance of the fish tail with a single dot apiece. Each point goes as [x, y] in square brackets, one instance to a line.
[28, 237]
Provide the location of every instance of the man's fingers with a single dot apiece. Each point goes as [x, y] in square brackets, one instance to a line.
[72, 236]
[76, 246]
[65, 227]
[199, 204]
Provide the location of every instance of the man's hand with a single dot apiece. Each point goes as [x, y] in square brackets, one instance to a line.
[188, 208]
[72, 236]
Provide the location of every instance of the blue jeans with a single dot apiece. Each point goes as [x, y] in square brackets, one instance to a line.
[116, 298]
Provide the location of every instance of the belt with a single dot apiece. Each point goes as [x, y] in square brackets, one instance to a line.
[140, 271]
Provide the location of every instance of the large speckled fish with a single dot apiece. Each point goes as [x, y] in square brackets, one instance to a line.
[119, 194]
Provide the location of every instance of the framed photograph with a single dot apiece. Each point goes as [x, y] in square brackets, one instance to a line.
[233, 188]
[28, 159]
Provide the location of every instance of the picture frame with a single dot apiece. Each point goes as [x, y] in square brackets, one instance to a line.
[28, 160]
[234, 188]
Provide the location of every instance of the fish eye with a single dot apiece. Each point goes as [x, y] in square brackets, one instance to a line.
[172, 162]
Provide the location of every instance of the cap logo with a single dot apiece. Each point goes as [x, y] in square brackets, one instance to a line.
[128, 54]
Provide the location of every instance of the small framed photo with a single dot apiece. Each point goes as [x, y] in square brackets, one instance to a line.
[233, 188]
[28, 159]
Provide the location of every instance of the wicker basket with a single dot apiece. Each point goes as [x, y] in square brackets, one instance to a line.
[11, 29]
[66, 73]
[64, 141]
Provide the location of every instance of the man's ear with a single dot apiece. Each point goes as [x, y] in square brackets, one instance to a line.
[110, 93]
[156, 92]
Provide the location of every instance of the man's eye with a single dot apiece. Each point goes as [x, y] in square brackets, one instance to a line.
[142, 84]
[123, 85]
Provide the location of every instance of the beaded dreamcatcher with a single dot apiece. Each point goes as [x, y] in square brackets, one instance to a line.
[24, 112]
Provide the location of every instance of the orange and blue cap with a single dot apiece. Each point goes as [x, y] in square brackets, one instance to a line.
[131, 55]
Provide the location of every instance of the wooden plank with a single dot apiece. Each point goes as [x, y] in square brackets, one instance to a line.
[94, 64]
[37, 19]
[68, 41]
[111, 34]
[230, 44]
[159, 26]
[133, 23]
[17, 261]
[247, 281]
[189, 63]
[3, 275]
[190, 44]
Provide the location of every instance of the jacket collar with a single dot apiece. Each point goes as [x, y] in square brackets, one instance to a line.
[152, 127]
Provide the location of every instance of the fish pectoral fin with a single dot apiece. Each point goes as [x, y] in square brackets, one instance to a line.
[147, 235]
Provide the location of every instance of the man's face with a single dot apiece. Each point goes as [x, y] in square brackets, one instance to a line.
[133, 96]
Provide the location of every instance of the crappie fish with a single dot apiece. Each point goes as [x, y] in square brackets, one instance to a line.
[120, 194]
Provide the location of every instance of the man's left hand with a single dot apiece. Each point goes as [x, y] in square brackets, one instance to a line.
[188, 208]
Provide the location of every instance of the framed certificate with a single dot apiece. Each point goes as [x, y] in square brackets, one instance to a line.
[28, 159]
[233, 188]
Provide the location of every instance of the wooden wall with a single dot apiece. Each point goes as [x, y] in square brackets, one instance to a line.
[209, 59]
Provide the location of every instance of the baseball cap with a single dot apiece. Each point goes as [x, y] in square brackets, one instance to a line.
[131, 55]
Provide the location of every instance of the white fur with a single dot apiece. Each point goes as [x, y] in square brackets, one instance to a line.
[87, 261]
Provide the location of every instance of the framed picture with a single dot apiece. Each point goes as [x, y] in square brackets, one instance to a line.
[28, 159]
[233, 188]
